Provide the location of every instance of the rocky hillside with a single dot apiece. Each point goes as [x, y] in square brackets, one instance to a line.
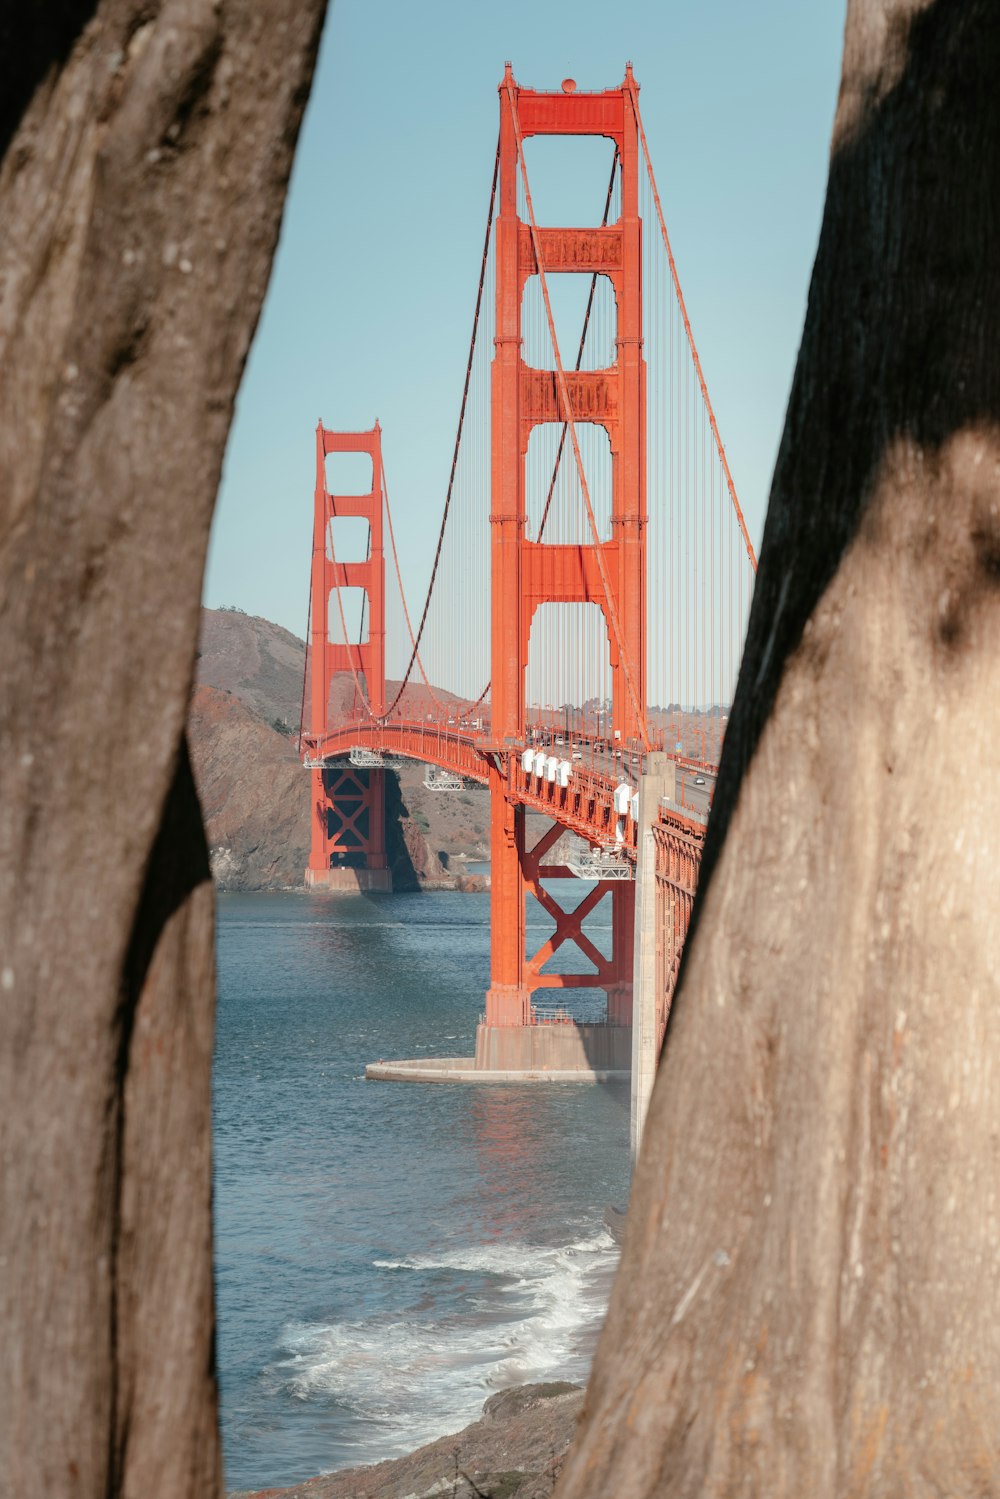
[254, 793]
[244, 725]
[255, 661]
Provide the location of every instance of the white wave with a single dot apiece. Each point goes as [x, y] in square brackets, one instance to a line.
[418, 1376]
[531, 1260]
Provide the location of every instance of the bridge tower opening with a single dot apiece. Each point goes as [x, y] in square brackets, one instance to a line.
[528, 573]
[348, 802]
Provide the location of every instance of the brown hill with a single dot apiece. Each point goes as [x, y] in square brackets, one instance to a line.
[254, 794]
[258, 662]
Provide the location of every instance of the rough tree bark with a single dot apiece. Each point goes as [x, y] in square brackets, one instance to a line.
[147, 145]
[806, 1304]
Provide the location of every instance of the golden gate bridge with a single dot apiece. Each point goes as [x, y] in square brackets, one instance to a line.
[580, 637]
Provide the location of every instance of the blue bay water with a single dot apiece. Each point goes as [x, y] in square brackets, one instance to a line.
[387, 1255]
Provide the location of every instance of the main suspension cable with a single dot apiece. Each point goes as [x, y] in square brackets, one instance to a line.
[402, 595]
[458, 437]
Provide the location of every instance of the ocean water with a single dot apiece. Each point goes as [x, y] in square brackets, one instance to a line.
[387, 1255]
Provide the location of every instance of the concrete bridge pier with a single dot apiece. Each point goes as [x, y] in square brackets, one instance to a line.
[348, 831]
[658, 781]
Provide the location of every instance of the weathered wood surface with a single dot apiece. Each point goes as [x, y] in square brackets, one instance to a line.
[147, 153]
[807, 1299]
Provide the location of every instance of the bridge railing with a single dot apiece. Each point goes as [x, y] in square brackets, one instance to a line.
[584, 802]
[678, 840]
[582, 1014]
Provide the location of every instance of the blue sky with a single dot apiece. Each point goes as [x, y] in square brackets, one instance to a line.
[370, 304]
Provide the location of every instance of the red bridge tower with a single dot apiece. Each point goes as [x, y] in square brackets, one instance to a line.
[525, 574]
[348, 802]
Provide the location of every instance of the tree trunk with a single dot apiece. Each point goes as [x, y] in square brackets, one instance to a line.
[147, 153]
[806, 1300]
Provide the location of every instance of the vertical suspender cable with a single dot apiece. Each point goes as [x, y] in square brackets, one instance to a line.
[690, 336]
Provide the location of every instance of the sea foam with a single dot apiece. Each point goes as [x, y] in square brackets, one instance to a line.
[476, 1319]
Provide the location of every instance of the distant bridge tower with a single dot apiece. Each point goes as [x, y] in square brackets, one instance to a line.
[348, 801]
[526, 574]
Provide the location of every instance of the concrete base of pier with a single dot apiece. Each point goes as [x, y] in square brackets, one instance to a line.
[525, 1054]
[464, 1070]
[568, 1047]
[350, 881]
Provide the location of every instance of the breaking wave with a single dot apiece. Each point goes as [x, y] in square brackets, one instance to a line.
[468, 1321]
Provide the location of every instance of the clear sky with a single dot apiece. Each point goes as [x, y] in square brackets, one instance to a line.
[370, 304]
